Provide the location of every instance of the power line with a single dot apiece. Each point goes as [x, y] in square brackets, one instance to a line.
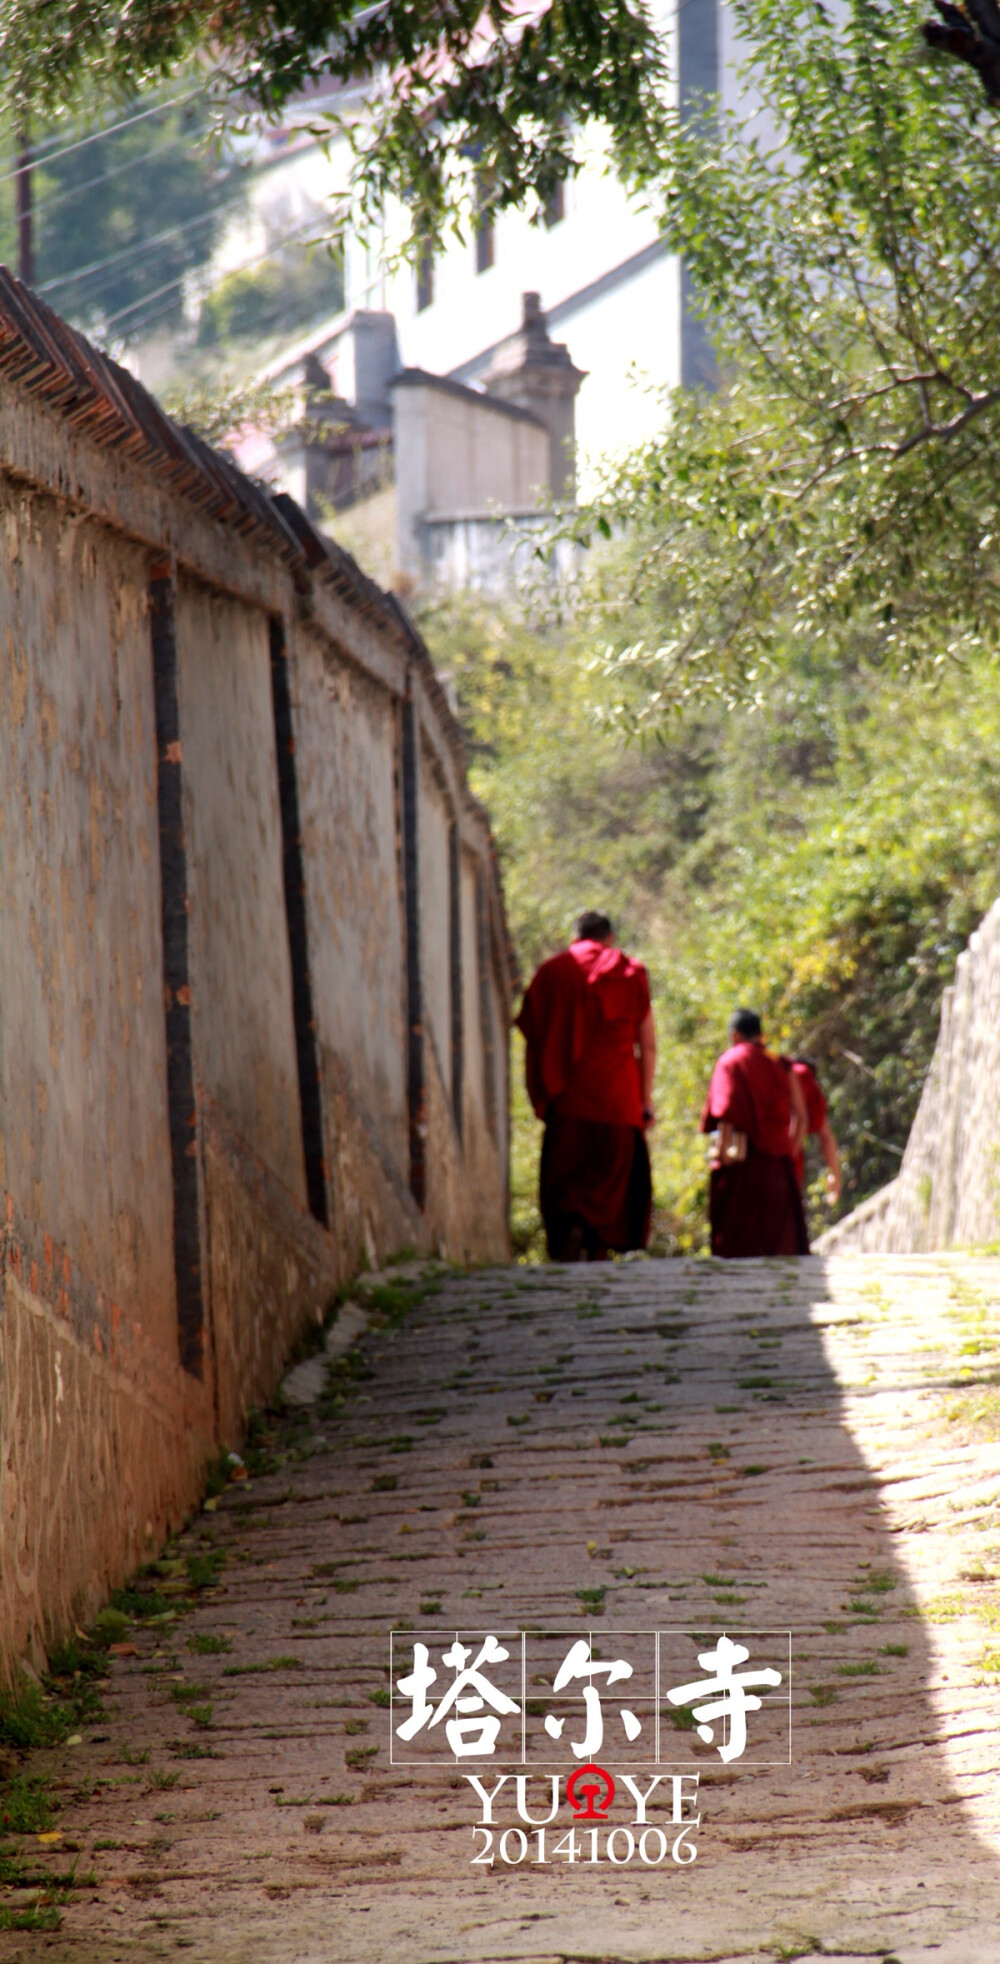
[287, 238]
[45, 143]
[134, 251]
[89, 183]
[149, 319]
[109, 129]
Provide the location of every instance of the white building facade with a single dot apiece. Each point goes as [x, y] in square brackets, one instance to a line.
[607, 287]
[611, 297]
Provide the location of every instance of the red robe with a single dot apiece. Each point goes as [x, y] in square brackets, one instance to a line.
[580, 1019]
[755, 1204]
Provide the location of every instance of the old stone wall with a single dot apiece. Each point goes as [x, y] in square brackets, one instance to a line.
[947, 1194]
[254, 977]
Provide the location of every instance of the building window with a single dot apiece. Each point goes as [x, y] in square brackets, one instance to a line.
[425, 277]
[485, 245]
[554, 209]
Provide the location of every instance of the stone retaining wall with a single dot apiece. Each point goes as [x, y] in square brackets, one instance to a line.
[255, 980]
[947, 1193]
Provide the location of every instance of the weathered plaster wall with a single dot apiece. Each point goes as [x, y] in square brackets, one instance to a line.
[348, 767]
[241, 972]
[498, 1023]
[81, 1012]
[270, 1268]
[214, 1088]
[347, 749]
[479, 1150]
[105, 1440]
[947, 1194]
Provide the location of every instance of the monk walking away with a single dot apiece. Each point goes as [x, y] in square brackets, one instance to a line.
[590, 1060]
[756, 1108]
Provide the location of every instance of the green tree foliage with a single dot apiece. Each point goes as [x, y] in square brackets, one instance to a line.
[120, 221]
[283, 293]
[845, 479]
[457, 81]
[823, 859]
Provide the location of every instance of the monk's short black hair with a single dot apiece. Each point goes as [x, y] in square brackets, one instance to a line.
[593, 927]
[746, 1024]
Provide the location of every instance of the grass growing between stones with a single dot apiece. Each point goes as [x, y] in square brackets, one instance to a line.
[591, 1601]
[683, 1718]
[359, 1757]
[27, 1807]
[270, 1664]
[945, 1609]
[979, 1411]
[30, 1717]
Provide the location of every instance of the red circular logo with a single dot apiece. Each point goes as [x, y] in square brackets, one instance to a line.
[590, 1791]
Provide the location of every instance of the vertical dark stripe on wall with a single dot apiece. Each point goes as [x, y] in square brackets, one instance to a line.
[485, 1009]
[306, 1047]
[415, 1088]
[181, 1104]
[455, 971]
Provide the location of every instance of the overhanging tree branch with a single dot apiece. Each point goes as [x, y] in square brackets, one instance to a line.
[972, 34]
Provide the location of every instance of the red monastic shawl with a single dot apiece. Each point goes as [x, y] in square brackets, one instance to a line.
[580, 1019]
[749, 1091]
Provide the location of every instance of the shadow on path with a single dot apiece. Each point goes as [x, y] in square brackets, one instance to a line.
[649, 1446]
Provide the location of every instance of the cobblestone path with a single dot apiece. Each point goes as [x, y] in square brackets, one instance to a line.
[807, 1446]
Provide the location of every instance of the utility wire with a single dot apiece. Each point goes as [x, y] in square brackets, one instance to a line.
[136, 250]
[109, 129]
[287, 238]
[90, 183]
[149, 319]
[45, 143]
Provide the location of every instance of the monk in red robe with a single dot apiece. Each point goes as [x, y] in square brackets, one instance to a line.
[589, 1064]
[756, 1107]
[818, 1126]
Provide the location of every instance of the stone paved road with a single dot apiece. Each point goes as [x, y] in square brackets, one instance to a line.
[660, 1445]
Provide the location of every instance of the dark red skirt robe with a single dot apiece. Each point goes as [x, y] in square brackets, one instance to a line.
[595, 1178]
